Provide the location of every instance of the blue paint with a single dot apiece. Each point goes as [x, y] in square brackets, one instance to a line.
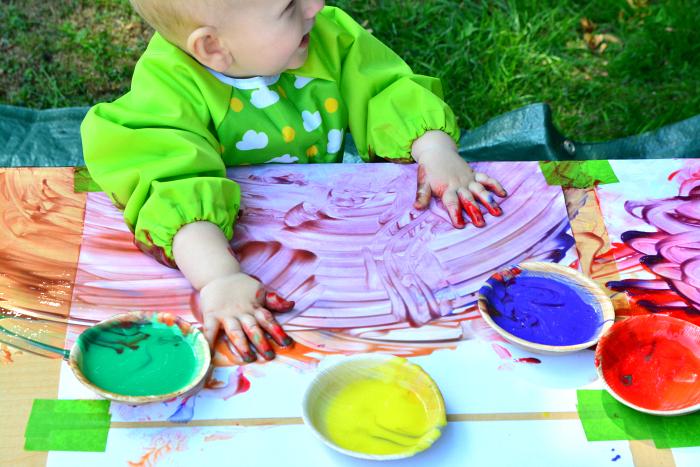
[616, 458]
[544, 308]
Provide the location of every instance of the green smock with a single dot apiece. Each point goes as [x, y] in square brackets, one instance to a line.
[161, 151]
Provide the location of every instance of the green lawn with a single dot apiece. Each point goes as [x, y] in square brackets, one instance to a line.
[639, 68]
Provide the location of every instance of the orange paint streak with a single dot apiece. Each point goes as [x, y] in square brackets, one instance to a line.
[39, 248]
[6, 355]
[593, 243]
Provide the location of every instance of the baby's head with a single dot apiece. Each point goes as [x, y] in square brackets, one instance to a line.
[236, 37]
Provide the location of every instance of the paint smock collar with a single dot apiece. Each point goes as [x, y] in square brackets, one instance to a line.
[254, 82]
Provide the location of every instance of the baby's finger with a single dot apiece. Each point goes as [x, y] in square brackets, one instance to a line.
[469, 205]
[210, 329]
[423, 192]
[491, 184]
[454, 210]
[268, 322]
[235, 334]
[256, 335]
[274, 302]
[485, 198]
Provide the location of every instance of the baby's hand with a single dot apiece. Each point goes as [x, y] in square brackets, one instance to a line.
[240, 306]
[444, 174]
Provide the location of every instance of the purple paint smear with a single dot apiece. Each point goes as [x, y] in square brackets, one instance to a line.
[343, 241]
[672, 251]
[543, 308]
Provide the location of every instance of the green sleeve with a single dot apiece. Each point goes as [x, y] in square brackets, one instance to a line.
[154, 152]
[389, 106]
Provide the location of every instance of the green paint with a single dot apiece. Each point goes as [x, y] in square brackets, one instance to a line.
[138, 358]
[578, 174]
[68, 425]
[605, 419]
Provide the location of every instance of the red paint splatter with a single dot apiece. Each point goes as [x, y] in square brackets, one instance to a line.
[532, 360]
[652, 362]
[673, 174]
[6, 354]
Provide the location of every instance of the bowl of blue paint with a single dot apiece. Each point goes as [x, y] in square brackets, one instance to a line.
[545, 307]
[141, 357]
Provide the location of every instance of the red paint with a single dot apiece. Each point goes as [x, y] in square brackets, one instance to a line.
[455, 213]
[473, 212]
[673, 174]
[256, 336]
[492, 207]
[279, 335]
[274, 302]
[652, 362]
[532, 360]
[243, 384]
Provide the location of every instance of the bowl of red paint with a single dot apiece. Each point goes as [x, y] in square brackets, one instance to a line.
[545, 307]
[651, 363]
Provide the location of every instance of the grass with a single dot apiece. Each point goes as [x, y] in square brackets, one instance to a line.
[637, 69]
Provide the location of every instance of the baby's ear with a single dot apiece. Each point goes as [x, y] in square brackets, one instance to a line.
[204, 45]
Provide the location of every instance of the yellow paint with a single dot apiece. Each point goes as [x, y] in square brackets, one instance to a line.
[236, 104]
[281, 91]
[331, 105]
[288, 134]
[312, 151]
[384, 415]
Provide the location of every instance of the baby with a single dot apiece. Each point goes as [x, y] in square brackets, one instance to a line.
[233, 82]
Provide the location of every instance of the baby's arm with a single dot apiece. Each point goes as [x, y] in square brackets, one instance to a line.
[444, 174]
[230, 300]
[155, 152]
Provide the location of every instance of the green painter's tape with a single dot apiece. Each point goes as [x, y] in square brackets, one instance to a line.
[68, 425]
[82, 181]
[578, 174]
[605, 419]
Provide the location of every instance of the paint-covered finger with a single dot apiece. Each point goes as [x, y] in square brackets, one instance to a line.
[485, 198]
[454, 210]
[270, 324]
[210, 329]
[423, 192]
[235, 334]
[491, 184]
[274, 302]
[256, 335]
[469, 204]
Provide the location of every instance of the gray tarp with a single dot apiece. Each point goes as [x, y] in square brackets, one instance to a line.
[51, 138]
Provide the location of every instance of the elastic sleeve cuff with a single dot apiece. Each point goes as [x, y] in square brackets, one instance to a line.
[176, 203]
[391, 136]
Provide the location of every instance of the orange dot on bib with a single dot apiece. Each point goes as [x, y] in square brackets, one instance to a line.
[288, 134]
[331, 105]
[236, 104]
[312, 151]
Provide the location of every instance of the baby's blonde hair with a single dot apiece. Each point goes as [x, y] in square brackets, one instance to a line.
[175, 19]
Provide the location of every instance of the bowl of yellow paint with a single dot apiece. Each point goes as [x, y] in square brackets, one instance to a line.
[375, 406]
[141, 357]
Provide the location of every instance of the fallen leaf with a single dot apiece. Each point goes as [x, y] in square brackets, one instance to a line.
[587, 25]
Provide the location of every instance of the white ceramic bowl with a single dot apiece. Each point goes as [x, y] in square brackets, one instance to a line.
[396, 370]
[190, 336]
[569, 276]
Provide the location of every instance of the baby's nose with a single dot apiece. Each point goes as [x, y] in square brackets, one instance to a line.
[312, 7]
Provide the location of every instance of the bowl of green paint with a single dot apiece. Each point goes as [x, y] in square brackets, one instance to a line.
[375, 406]
[141, 357]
